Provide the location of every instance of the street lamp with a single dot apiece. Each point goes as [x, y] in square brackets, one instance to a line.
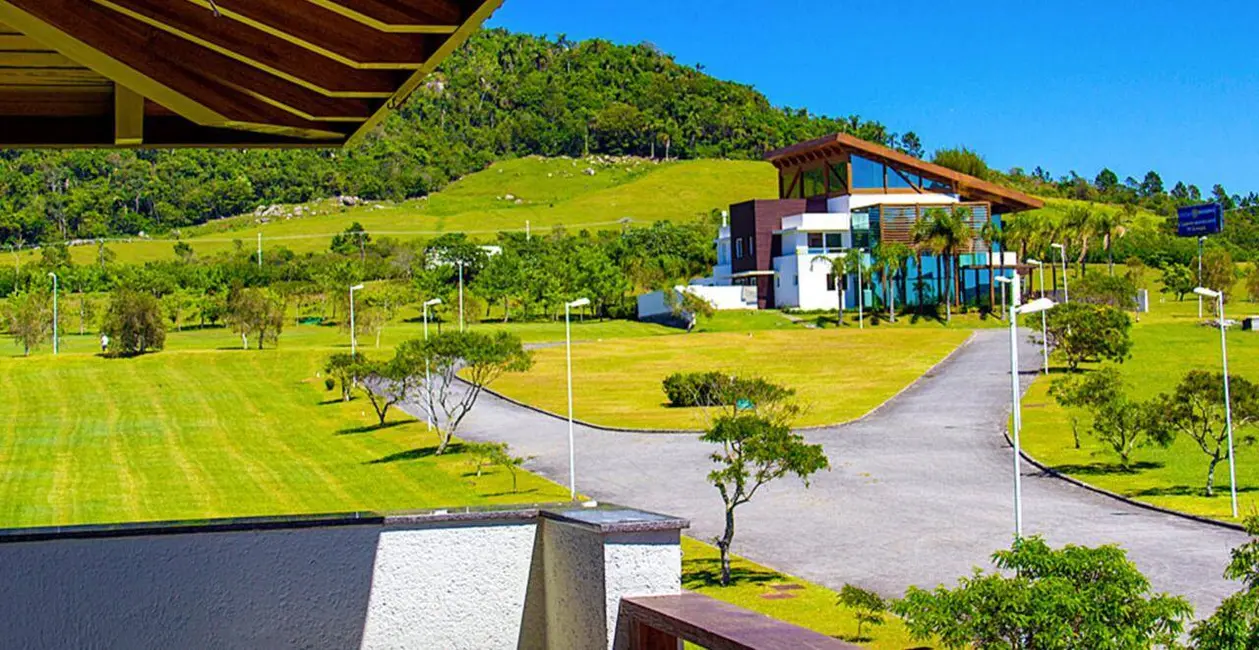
[428, 387]
[461, 295]
[861, 290]
[1228, 405]
[1201, 242]
[1044, 321]
[1040, 305]
[568, 350]
[1066, 288]
[55, 346]
[353, 334]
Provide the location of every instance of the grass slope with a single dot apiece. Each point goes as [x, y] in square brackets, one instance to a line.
[551, 192]
[1166, 344]
[839, 375]
[801, 603]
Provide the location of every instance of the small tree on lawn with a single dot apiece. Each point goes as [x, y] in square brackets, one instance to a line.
[1074, 597]
[346, 370]
[868, 607]
[461, 365]
[1080, 332]
[385, 383]
[755, 450]
[1196, 409]
[134, 323]
[1119, 422]
[1179, 280]
[1252, 284]
[1235, 624]
[256, 312]
[30, 319]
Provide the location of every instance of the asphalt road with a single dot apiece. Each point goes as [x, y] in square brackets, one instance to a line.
[919, 494]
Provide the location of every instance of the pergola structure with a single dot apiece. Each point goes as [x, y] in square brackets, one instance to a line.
[217, 73]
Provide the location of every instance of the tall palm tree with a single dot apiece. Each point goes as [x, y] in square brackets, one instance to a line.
[955, 235]
[991, 234]
[1114, 224]
[891, 258]
[924, 238]
[1081, 223]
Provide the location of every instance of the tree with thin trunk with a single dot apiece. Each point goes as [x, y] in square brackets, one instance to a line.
[755, 450]
[30, 319]
[1081, 223]
[1196, 409]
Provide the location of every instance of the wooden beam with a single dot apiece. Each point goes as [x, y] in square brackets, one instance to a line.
[118, 47]
[329, 33]
[433, 17]
[69, 102]
[260, 49]
[128, 117]
[456, 40]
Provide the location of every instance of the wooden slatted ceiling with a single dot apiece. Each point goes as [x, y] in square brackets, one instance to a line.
[244, 73]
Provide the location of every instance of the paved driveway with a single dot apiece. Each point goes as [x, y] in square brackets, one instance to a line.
[920, 491]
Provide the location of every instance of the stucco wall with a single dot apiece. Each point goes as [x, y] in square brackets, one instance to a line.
[639, 564]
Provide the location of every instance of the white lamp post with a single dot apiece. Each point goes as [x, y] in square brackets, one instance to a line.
[1044, 321]
[861, 290]
[1066, 288]
[568, 350]
[1228, 405]
[1038, 305]
[55, 344]
[461, 321]
[353, 333]
[428, 390]
[1201, 241]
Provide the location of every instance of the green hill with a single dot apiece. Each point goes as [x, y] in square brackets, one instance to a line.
[595, 193]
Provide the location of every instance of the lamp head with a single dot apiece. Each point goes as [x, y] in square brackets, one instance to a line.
[433, 303]
[1037, 262]
[1004, 280]
[1035, 306]
[1207, 293]
[357, 287]
[580, 302]
[52, 275]
[1058, 246]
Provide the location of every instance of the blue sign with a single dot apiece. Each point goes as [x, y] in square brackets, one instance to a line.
[1200, 220]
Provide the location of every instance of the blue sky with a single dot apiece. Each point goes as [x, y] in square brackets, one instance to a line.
[1163, 85]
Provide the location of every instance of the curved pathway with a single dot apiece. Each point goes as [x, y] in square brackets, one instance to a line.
[919, 492]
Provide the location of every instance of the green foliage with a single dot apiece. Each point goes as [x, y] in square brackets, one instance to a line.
[133, 322]
[495, 453]
[1235, 623]
[344, 369]
[868, 607]
[353, 241]
[1118, 421]
[1252, 284]
[1101, 289]
[1073, 597]
[477, 358]
[962, 160]
[755, 450]
[1196, 409]
[1080, 332]
[685, 303]
[29, 317]
[1219, 272]
[1179, 280]
[717, 389]
[256, 312]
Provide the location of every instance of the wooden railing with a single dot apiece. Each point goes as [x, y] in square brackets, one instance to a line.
[664, 622]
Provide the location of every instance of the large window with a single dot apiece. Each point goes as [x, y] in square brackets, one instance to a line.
[939, 187]
[814, 181]
[902, 180]
[815, 240]
[866, 174]
[838, 177]
[864, 223]
[834, 241]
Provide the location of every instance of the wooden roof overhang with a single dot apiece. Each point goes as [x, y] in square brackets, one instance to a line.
[217, 73]
[970, 188]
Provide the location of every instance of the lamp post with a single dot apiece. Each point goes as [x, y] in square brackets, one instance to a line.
[1066, 288]
[1201, 242]
[428, 391]
[55, 346]
[1044, 321]
[353, 333]
[259, 249]
[461, 295]
[1228, 405]
[1016, 407]
[861, 289]
[568, 351]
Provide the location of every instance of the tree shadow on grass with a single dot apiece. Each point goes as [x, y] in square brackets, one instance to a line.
[1102, 469]
[700, 573]
[510, 493]
[371, 428]
[415, 454]
[1221, 491]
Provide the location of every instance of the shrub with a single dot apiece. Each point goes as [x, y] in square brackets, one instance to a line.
[329, 383]
[708, 389]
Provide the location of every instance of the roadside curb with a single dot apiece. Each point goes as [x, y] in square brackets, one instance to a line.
[695, 432]
[1053, 473]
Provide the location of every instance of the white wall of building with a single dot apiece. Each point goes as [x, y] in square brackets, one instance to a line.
[722, 298]
[846, 204]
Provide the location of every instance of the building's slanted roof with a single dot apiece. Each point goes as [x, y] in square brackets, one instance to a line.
[166, 73]
[969, 187]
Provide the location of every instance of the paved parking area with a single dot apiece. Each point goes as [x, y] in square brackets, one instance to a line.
[920, 491]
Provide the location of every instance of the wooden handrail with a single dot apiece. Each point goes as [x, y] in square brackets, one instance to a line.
[663, 622]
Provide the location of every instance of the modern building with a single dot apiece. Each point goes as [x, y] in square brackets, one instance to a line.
[843, 200]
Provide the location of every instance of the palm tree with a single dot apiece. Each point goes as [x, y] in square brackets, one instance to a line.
[955, 233]
[1114, 224]
[891, 257]
[923, 236]
[991, 234]
[1081, 223]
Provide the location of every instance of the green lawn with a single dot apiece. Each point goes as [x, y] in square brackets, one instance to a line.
[1166, 344]
[801, 603]
[839, 375]
[551, 192]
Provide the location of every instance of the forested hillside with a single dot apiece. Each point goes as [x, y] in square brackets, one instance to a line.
[502, 95]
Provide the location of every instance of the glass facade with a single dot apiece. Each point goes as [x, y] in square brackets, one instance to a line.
[866, 174]
[814, 182]
[899, 180]
[865, 225]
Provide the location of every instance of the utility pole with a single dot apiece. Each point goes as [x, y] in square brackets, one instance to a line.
[259, 250]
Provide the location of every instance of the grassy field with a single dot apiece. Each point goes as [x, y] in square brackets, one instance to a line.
[550, 192]
[1167, 343]
[839, 375]
[802, 603]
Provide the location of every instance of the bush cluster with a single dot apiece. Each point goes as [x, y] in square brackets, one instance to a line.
[689, 389]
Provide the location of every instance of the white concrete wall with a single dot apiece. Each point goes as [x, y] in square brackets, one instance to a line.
[461, 587]
[652, 304]
[722, 298]
[855, 201]
[477, 584]
[786, 272]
